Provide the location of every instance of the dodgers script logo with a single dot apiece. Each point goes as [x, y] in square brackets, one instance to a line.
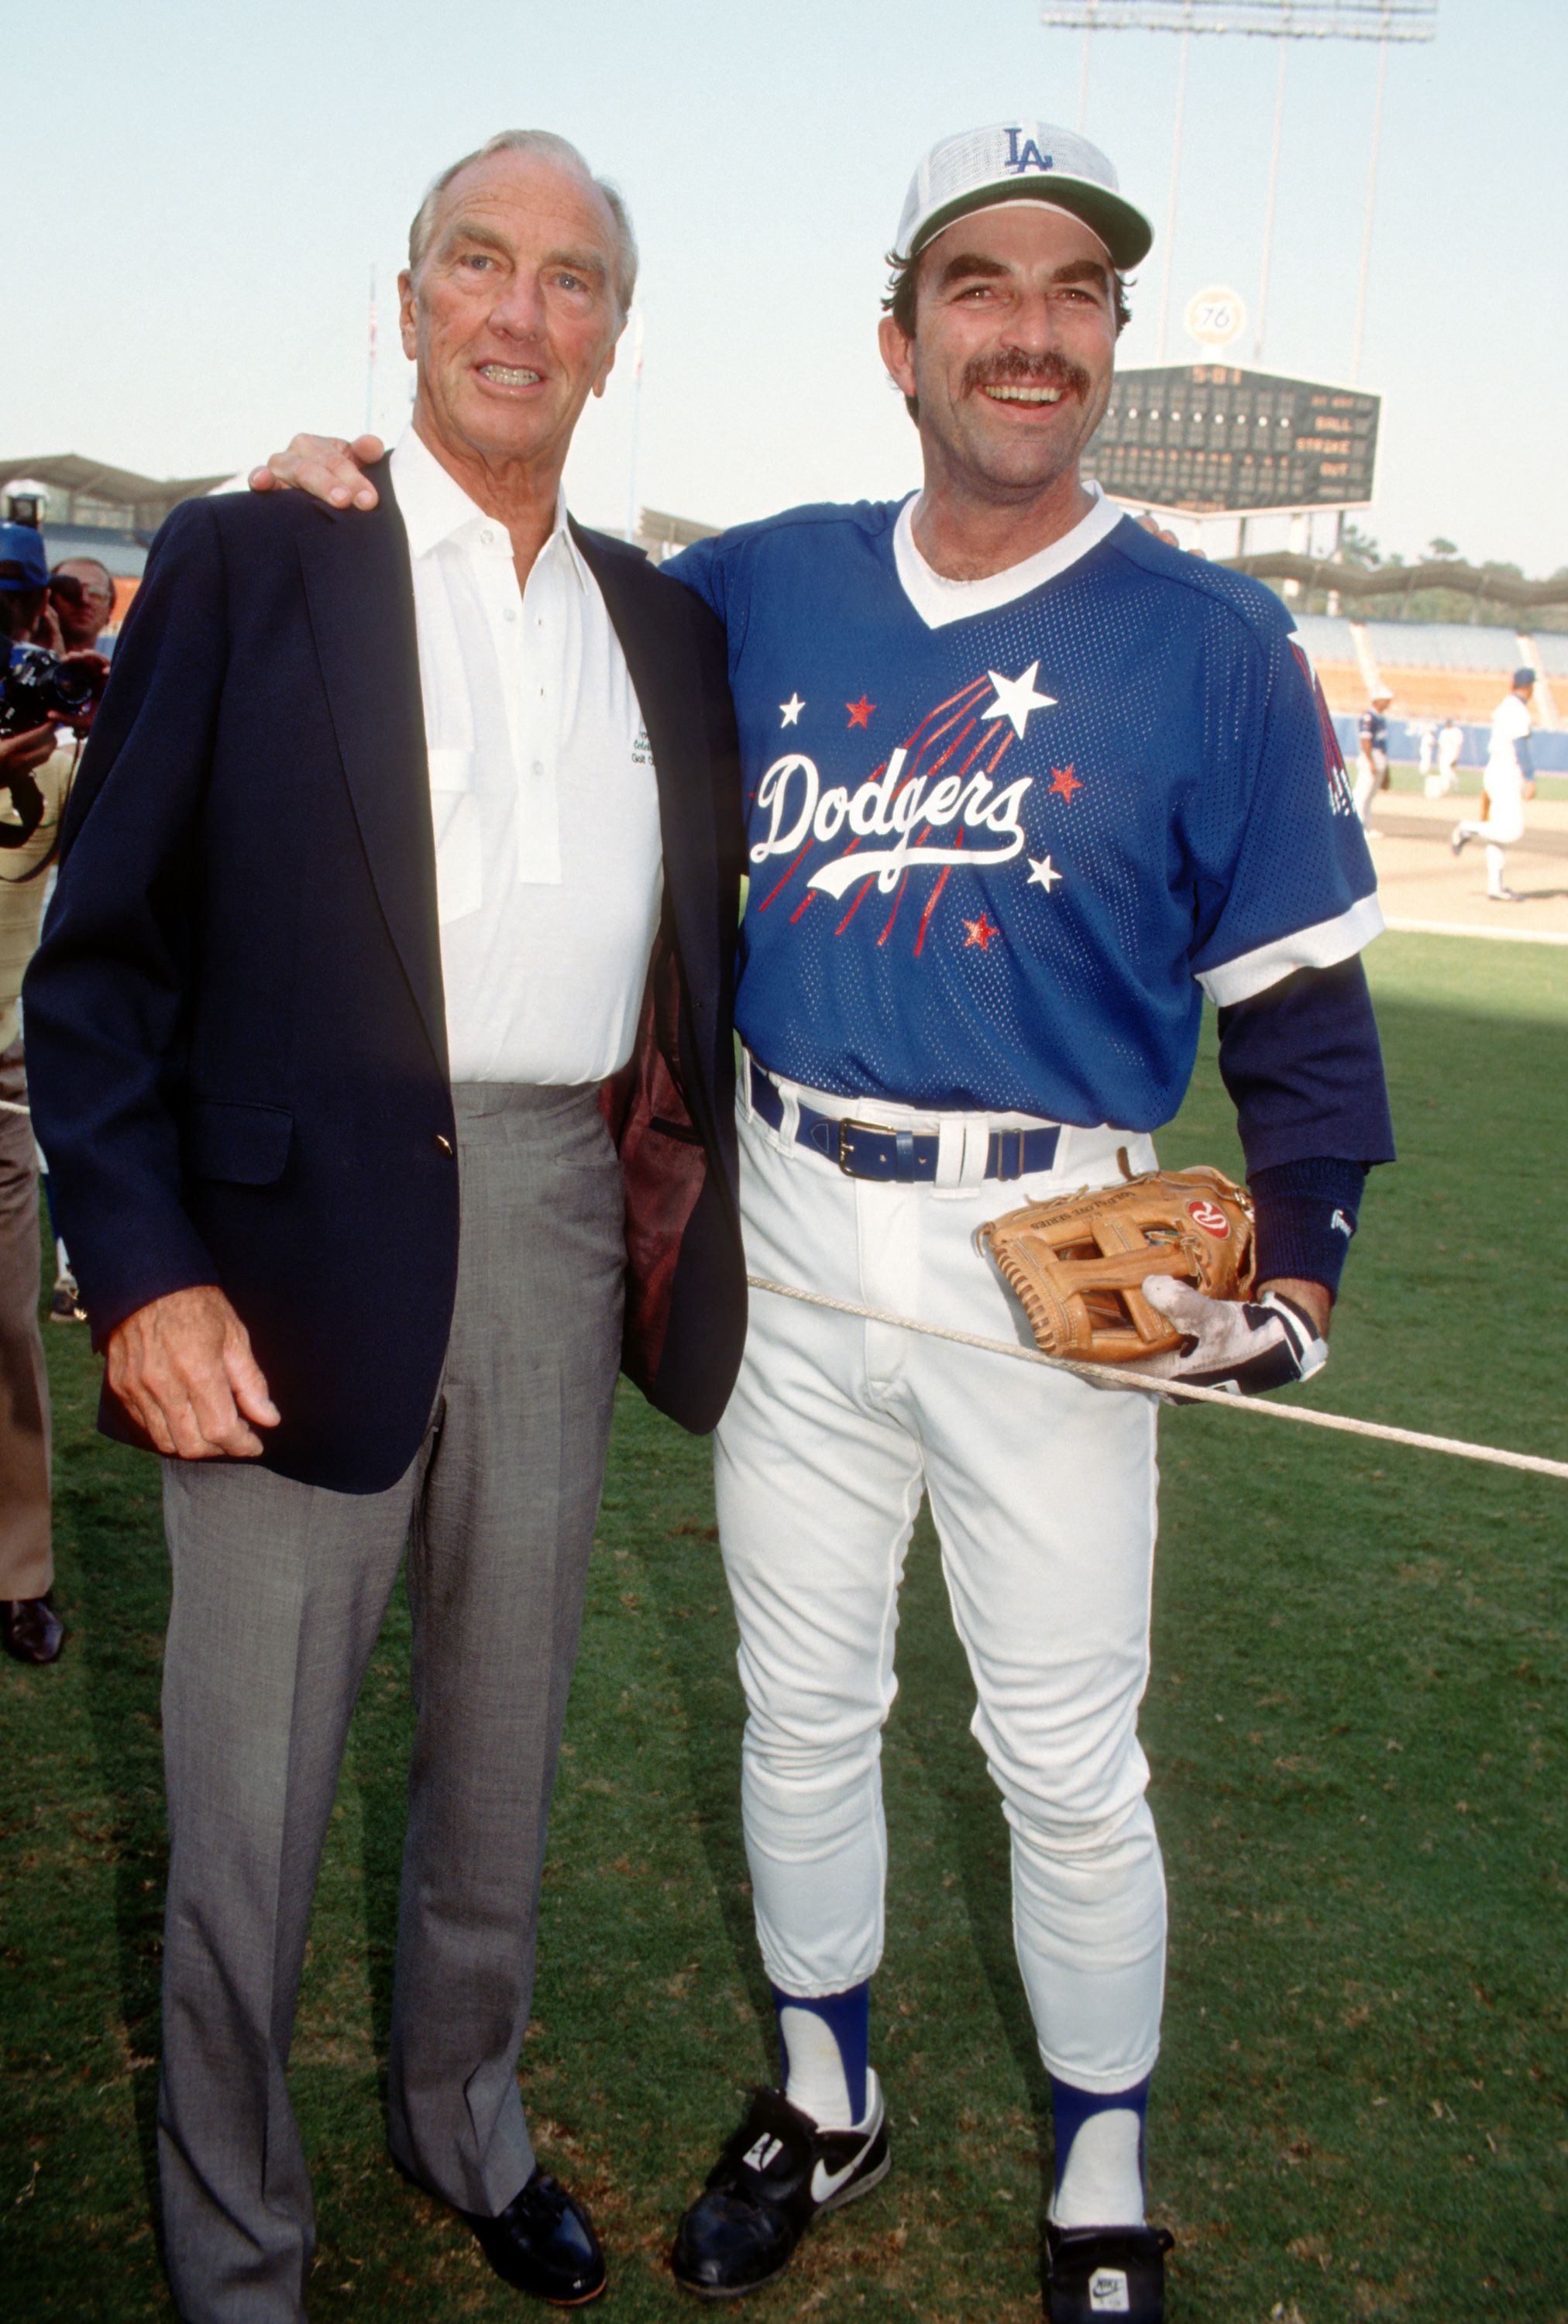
[935, 802]
[1027, 156]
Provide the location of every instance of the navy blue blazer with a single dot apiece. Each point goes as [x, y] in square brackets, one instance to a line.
[235, 1026]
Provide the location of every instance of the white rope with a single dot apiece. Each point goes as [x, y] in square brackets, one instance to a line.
[1122, 1376]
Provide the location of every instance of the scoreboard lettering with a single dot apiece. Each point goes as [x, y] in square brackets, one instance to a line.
[1207, 439]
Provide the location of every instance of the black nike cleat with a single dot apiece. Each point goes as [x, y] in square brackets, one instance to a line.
[772, 2179]
[1095, 2271]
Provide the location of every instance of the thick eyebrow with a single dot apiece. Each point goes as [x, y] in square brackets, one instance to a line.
[967, 261]
[1083, 269]
[970, 263]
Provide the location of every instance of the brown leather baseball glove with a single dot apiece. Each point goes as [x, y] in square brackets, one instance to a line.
[1078, 1264]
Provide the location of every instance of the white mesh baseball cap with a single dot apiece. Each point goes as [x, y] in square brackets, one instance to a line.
[1022, 161]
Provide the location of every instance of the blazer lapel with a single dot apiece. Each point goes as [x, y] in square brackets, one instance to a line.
[361, 598]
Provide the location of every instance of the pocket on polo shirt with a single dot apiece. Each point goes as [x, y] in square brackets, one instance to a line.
[455, 821]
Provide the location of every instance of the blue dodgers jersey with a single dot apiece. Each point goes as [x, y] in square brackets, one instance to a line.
[995, 864]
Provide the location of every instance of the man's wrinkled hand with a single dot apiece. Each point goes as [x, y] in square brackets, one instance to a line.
[1243, 1346]
[183, 1370]
[324, 467]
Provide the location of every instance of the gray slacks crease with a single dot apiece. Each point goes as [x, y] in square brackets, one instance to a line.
[279, 1590]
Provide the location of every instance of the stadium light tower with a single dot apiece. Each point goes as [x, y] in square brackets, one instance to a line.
[1387, 22]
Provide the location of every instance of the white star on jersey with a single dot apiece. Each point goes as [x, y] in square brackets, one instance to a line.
[791, 710]
[1043, 874]
[1016, 697]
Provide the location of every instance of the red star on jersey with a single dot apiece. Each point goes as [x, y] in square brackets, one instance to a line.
[1064, 782]
[860, 712]
[979, 932]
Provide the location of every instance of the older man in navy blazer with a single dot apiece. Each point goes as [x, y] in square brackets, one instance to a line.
[382, 1017]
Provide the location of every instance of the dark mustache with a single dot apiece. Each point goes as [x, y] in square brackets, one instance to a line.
[1013, 368]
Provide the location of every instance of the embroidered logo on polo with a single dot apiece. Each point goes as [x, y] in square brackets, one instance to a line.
[935, 802]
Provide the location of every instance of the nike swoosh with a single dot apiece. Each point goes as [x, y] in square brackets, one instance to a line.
[825, 2183]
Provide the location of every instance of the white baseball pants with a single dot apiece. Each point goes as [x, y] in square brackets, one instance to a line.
[1043, 1493]
[1504, 826]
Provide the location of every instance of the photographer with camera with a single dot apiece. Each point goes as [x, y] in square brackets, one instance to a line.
[43, 696]
[82, 597]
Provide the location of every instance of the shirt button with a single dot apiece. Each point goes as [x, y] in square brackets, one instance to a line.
[488, 538]
[537, 770]
[443, 1143]
[512, 612]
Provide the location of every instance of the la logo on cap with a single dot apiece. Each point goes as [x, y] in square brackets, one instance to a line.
[1028, 156]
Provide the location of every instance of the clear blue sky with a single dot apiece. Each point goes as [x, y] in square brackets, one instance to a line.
[197, 193]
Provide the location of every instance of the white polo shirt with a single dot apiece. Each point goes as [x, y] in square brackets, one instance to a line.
[548, 869]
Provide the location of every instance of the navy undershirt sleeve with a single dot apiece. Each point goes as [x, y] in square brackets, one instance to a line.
[1305, 1070]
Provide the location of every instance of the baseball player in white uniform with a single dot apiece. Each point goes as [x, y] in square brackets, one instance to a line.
[1509, 781]
[1022, 785]
[1450, 741]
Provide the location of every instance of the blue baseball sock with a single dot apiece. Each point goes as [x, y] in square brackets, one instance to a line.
[1100, 2155]
[824, 2047]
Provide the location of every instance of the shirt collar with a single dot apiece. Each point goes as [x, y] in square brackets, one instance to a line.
[939, 601]
[435, 507]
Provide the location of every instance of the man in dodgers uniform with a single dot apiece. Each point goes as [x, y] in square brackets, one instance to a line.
[1508, 781]
[1022, 786]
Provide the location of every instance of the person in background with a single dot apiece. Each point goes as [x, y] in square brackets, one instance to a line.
[1373, 754]
[1427, 751]
[81, 593]
[81, 601]
[1509, 783]
[34, 770]
[1450, 750]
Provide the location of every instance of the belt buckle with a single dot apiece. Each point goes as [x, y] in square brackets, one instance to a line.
[844, 1129]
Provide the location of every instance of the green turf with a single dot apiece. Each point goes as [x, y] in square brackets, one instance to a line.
[1356, 1730]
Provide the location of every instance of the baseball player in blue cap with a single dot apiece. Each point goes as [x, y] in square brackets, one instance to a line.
[1022, 786]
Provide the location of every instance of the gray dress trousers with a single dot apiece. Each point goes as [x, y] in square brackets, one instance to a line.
[279, 1590]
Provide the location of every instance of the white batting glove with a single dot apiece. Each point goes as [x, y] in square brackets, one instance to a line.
[1244, 1346]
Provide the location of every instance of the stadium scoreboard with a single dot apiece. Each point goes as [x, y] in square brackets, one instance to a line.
[1207, 439]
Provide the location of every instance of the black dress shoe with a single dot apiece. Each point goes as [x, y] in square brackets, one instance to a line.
[1094, 2271]
[776, 2174]
[544, 2243]
[31, 1630]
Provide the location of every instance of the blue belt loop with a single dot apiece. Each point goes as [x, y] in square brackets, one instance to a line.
[904, 1157]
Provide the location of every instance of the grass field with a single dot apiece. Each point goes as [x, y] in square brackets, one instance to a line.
[1357, 1728]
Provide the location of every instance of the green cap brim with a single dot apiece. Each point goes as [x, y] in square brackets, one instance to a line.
[1126, 233]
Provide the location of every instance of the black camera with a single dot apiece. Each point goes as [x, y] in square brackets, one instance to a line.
[38, 685]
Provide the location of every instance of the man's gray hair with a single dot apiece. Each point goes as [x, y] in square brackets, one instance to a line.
[545, 146]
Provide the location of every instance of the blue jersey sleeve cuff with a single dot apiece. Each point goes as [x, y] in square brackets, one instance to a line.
[1320, 946]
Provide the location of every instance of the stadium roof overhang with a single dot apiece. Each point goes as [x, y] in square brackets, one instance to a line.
[98, 480]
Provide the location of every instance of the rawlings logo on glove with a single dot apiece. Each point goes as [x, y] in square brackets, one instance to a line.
[1156, 1273]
